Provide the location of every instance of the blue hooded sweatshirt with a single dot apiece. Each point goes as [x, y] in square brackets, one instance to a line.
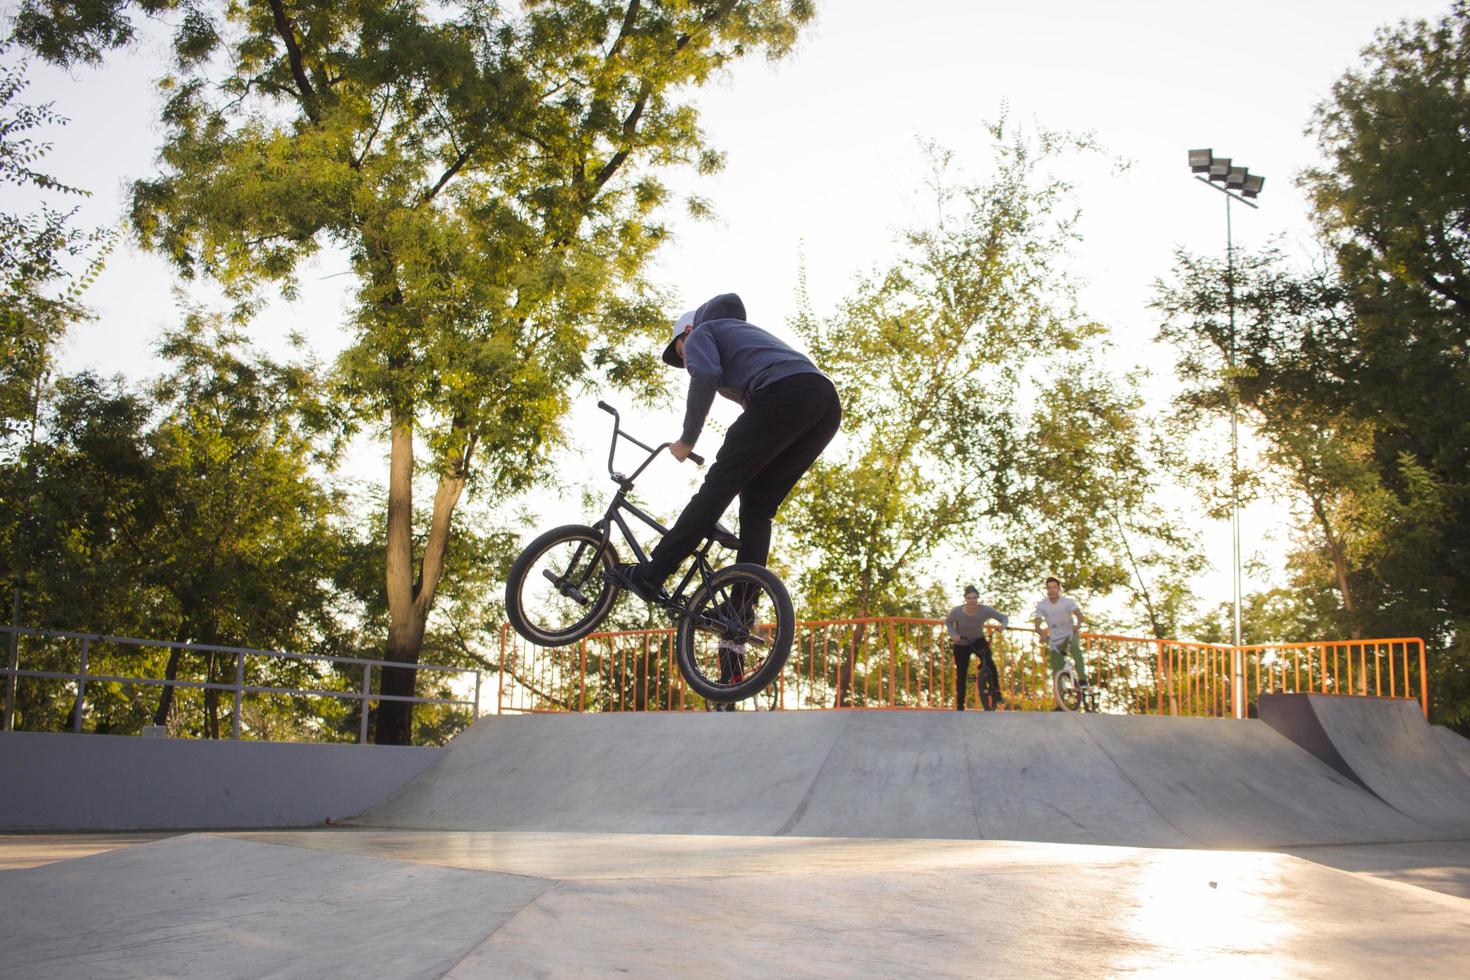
[725, 354]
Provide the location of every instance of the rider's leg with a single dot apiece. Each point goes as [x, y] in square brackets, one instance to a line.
[774, 419]
[1056, 657]
[961, 669]
[763, 495]
[1074, 647]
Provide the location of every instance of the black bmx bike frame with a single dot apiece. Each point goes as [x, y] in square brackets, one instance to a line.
[700, 568]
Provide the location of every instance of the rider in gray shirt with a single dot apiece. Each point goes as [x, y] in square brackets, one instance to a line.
[966, 627]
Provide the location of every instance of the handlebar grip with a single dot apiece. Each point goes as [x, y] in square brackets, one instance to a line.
[607, 408]
[698, 459]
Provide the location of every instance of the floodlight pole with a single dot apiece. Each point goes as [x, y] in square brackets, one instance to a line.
[1237, 658]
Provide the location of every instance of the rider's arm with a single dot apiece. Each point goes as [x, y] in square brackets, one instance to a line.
[702, 358]
[1077, 615]
[952, 627]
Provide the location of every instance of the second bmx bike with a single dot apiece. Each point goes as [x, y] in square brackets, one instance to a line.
[733, 625]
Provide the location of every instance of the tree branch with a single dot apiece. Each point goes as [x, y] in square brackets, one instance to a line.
[286, 30]
[448, 175]
[624, 31]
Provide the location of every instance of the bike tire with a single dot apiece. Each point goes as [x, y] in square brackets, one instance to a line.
[540, 611]
[1068, 694]
[703, 624]
[990, 697]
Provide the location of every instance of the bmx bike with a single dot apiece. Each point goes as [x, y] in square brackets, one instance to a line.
[733, 625]
[1072, 695]
[987, 678]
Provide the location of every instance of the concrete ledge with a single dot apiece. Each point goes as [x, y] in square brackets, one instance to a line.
[110, 782]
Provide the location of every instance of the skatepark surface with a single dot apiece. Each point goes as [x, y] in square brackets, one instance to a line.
[845, 843]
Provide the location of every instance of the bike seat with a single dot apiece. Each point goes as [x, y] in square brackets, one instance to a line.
[724, 537]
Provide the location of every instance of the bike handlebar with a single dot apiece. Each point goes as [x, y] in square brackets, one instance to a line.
[653, 451]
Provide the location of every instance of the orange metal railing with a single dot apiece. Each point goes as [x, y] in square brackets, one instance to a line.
[897, 662]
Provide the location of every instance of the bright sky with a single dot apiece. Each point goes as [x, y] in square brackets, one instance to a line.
[824, 159]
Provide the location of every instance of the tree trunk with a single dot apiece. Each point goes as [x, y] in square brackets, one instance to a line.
[1340, 568]
[170, 674]
[848, 667]
[409, 604]
[211, 699]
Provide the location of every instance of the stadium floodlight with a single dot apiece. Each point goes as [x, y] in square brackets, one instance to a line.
[1214, 171]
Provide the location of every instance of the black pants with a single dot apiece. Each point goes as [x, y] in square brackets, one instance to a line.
[784, 428]
[962, 653]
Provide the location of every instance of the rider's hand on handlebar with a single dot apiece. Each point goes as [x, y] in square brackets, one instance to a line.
[680, 450]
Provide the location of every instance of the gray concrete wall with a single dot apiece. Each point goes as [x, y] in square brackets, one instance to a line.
[108, 782]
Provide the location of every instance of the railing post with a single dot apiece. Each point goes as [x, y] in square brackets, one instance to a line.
[239, 691]
[367, 689]
[76, 720]
[892, 660]
[477, 697]
[500, 685]
[10, 678]
[1159, 674]
[582, 698]
[1237, 666]
[1423, 682]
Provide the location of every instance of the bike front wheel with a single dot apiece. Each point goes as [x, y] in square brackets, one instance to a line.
[736, 633]
[560, 588]
[1069, 694]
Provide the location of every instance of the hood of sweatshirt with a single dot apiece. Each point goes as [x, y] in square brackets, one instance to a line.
[726, 306]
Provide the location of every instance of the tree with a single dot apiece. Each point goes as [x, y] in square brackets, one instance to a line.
[491, 176]
[39, 295]
[247, 528]
[971, 416]
[197, 507]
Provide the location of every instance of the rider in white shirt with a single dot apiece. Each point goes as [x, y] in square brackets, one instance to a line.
[1058, 618]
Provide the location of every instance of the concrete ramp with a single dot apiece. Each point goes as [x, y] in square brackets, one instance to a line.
[1157, 782]
[1385, 746]
[1456, 744]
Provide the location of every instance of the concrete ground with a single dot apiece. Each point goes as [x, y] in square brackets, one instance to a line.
[407, 903]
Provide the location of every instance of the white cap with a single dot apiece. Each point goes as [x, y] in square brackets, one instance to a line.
[671, 355]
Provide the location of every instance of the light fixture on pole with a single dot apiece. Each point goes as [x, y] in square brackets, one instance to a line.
[1224, 176]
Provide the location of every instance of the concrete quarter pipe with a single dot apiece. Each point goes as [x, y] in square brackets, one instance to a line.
[1090, 779]
[1383, 745]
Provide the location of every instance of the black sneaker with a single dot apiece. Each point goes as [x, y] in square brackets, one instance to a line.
[631, 576]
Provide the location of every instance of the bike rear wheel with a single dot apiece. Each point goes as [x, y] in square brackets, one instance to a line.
[1069, 694]
[735, 635]
[557, 591]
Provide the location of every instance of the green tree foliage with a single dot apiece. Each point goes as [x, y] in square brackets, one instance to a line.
[973, 417]
[1393, 205]
[490, 173]
[1293, 334]
[195, 509]
[39, 295]
[241, 548]
[1358, 375]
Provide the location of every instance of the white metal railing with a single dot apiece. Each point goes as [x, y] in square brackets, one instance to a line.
[238, 688]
